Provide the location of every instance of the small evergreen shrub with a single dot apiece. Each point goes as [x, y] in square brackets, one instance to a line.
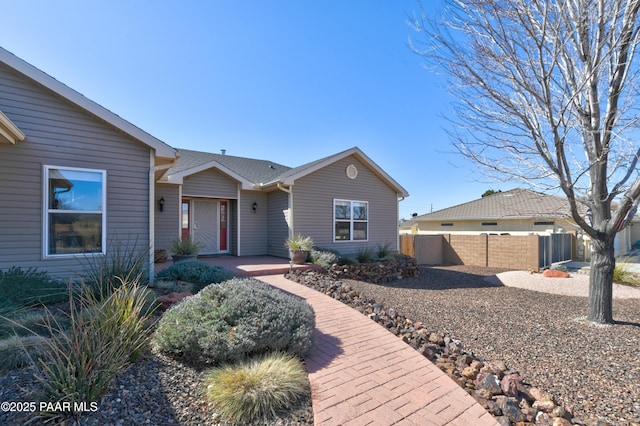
[558, 267]
[256, 390]
[27, 322]
[324, 257]
[165, 286]
[383, 250]
[25, 288]
[348, 261]
[198, 274]
[365, 255]
[21, 351]
[237, 318]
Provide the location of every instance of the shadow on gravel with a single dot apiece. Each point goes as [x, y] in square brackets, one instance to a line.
[630, 324]
[449, 277]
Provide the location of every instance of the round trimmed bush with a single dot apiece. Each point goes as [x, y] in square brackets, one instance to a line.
[229, 321]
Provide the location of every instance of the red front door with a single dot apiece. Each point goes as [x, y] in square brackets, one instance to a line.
[224, 219]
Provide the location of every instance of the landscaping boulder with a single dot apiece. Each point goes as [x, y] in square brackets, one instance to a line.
[169, 299]
[553, 273]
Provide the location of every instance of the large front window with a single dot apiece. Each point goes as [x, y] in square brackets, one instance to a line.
[75, 211]
[351, 220]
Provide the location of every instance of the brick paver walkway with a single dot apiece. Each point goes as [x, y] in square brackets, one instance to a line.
[361, 374]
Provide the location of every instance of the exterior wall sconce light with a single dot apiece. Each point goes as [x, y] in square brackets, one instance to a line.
[161, 204]
[254, 207]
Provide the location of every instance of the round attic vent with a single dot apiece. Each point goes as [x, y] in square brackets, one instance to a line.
[352, 171]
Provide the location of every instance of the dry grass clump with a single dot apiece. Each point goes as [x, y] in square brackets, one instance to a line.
[257, 389]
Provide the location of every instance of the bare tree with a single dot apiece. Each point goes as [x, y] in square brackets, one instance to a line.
[547, 92]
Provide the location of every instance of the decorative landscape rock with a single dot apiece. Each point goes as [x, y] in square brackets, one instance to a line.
[553, 273]
[501, 391]
[375, 272]
[169, 299]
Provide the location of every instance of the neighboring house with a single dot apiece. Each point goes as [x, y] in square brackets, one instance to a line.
[75, 178]
[243, 206]
[514, 212]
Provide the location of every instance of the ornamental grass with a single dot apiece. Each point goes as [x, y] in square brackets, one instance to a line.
[257, 389]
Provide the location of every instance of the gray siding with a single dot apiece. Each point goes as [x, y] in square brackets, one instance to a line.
[167, 222]
[313, 197]
[233, 223]
[278, 229]
[60, 134]
[253, 226]
[210, 183]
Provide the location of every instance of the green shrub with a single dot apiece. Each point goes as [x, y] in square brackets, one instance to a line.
[27, 322]
[324, 257]
[166, 286]
[299, 243]
[125, 262]
[256, 390]
[348, 261]
[364, 255]
[103, 337]
[21, 351]
[25, 288]
[185, 246]
[383, 250]
[559, 267]
[237, 318]
[622, 274]
[198, 274]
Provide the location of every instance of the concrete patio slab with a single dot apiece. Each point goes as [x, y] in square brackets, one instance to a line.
[246, 266]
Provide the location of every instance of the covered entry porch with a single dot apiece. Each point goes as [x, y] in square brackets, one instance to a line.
[207, 221]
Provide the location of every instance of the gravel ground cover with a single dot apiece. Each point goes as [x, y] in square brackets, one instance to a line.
[155, 391]
[591, 370]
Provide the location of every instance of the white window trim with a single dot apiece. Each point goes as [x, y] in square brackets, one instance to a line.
[46, 210]
[351, 221]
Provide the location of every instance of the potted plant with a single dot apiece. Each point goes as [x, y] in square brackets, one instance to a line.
[184, 249]
[299, 248]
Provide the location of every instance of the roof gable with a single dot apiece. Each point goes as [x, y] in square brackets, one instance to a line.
[289, 177]
[257, 174]
[514, 204]
[249, 172]
[161, 149]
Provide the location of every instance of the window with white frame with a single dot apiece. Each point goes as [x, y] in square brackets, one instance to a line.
[75, 214]
[351, 220]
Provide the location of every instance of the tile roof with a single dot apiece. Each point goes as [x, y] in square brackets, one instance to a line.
[514, 204]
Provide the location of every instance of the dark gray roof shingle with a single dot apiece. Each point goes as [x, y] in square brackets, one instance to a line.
[256, 171]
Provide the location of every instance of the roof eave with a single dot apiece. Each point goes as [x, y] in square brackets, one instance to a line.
[290, 180]
[178, 178]
[9, 132]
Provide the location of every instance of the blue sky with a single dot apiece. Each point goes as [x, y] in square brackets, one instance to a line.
[288, 81]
